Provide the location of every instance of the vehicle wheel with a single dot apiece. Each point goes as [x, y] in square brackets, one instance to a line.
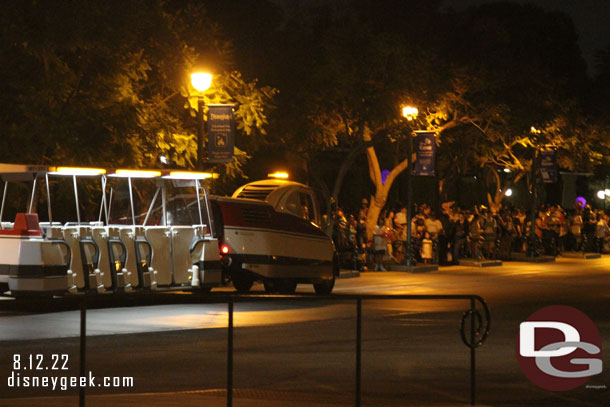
[242, 282]
[271, 286]
[325, 287]
[287, 286]
[204, 290]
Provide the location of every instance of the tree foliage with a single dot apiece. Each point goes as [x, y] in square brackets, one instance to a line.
[107, 83]
[481, 78]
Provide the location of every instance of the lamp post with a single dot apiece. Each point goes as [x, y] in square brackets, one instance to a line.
[531, 247]
[201, 81]
[409, 113]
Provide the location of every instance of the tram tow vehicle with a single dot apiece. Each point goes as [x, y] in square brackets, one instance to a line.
[271, 234]
[206, 242]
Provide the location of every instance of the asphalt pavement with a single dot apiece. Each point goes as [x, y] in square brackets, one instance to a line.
[303, 353]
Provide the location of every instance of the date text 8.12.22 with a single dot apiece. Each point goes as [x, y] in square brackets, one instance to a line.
[39, 362]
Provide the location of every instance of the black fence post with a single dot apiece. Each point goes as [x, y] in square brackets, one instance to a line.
[358, 351]
[230, 356]
[472, 354]
[83, 349]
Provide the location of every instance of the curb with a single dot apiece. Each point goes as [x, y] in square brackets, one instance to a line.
[580, 255]
[422, 268]
[538, 259]
[480, 263]
[348, 274]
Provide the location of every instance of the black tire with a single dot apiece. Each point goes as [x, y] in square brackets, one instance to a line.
[242, 282]
[271, 286]
[287, 286]
[324, 287]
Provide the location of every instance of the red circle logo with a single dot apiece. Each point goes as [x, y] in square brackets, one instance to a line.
[559, 348]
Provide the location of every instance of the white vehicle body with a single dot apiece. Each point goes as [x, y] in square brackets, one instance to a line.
[51, 258]
[271, 233]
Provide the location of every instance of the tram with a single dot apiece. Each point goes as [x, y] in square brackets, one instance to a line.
[58, 258]
[184, 240]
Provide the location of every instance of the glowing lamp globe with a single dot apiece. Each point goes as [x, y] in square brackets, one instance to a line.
[201, 81]
[409, 112]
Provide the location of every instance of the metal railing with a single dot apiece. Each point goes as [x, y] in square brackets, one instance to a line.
[474, 326]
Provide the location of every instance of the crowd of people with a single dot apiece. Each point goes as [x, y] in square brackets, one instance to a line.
[457, 233]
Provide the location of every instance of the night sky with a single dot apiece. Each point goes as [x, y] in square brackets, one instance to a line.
[591, 17]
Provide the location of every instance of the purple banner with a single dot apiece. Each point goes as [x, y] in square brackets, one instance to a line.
[425, 153]
[548, 166]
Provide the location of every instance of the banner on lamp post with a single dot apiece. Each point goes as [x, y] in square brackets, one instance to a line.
[425, 153]
[548, 166]
[221, 133]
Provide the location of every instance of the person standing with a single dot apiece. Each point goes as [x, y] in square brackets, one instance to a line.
[379, 245]
[601, 231]
[361, 240]
[489, 226]
[426, 249]
[435, 228]
[474, 236]
[589, 220]
[459, 237]
[575, 225]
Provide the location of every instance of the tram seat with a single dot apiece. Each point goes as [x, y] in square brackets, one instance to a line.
[100, 237]
[127, 236]
[197, 244]
[111, 251]
[159, 238]
[206, 256]
[183, 266]
[83, 274]
[140, 274]
[117, 252]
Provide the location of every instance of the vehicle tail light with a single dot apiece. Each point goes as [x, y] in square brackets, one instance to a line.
[224, 249]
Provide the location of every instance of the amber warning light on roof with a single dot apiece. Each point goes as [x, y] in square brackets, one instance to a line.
[278, 174]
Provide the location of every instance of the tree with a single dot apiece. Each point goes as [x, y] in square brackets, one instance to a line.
[355, 72]
[106, 83]
[506, 78]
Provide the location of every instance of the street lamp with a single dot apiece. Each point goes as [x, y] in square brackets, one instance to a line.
[201, 81]
[531, 247]
[409, 113]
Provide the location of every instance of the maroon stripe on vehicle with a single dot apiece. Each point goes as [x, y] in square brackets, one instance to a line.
[238, 213]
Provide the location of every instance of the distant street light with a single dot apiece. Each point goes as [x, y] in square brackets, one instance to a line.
[509, 192]
[409, 113]
[201, 81]
[601, 194]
